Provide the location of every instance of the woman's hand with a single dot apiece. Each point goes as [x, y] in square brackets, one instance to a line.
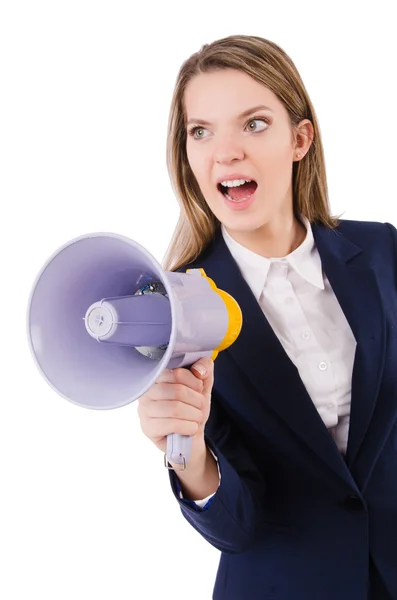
[179, 402]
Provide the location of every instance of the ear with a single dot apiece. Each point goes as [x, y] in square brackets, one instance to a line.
[304, 135]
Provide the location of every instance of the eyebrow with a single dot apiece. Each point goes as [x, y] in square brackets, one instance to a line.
[243, 114]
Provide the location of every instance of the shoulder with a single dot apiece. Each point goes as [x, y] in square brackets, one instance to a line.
[369, 234]
[377, 241]
[364, 227]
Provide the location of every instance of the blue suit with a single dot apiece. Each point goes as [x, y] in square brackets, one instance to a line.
[293, 518]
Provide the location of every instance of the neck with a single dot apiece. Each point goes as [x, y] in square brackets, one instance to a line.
[275, 239]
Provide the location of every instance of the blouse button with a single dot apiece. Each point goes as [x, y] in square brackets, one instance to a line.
[322, 366]
[306, 335]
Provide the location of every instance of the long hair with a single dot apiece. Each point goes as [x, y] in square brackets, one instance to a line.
[268, 64]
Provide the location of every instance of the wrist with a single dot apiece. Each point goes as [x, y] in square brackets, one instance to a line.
[201, 477]
[198, 453]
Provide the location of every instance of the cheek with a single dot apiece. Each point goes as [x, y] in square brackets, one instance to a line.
[274, 155]
[273, 149]
[275, 167]
[194, 161]
[200, 167]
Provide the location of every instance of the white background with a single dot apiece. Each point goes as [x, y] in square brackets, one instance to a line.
[86, 509]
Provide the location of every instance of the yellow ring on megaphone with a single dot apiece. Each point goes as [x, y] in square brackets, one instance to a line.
[235, 315]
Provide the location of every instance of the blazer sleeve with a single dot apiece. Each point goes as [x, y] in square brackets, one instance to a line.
[231, 519]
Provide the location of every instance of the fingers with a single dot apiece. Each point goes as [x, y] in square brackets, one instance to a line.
[176, 392]
[179, 402]
[172, 409]
[181, 376]
[158, 429]
[200, 377]
[205, 365]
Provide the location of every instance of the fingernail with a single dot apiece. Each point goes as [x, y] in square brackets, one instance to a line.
[201, 369]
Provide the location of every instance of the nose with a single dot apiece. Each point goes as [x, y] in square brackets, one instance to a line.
[228, 150]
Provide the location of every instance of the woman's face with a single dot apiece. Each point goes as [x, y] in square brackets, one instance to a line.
[238, 129]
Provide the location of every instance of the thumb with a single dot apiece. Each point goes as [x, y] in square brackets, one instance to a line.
[204, 369]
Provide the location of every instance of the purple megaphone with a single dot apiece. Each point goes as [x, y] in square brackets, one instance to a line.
[104, 320]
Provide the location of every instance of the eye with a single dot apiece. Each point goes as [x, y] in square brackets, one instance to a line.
[195, 130]
[256, 130]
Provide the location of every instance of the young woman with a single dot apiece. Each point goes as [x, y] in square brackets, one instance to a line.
[293, 472]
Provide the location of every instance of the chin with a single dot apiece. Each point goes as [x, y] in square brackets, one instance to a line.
[241, 221]
[241, 227]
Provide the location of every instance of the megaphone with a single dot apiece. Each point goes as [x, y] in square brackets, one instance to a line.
[104, 320]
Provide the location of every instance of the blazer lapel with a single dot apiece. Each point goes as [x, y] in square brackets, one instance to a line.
[355, 285]
[260, 355]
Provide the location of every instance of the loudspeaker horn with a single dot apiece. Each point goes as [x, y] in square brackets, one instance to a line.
[104, 320]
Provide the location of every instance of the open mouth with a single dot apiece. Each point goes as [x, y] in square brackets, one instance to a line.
[239, 192]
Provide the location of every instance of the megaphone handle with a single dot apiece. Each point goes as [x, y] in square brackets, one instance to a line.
[178, 452]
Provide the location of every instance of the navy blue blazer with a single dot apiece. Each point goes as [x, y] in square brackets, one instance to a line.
[293, 518]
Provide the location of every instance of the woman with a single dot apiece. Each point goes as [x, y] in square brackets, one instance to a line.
[293, 473]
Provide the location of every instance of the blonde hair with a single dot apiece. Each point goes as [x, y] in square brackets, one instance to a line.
[268, 64]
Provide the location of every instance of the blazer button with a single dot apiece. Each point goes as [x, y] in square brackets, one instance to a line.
[353, 503]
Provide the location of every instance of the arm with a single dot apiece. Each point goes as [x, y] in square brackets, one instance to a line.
[232, 518]
[183, 488]
[201, 477]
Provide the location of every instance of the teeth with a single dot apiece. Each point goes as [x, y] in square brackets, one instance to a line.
[235, 182]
